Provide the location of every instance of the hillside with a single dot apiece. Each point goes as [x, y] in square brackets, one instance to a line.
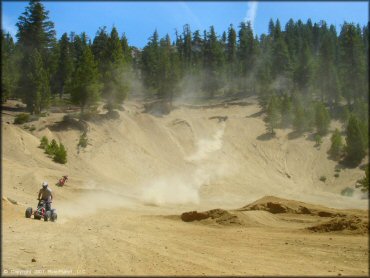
[127, 190]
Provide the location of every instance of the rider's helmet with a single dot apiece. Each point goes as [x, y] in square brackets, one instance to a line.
[45, 184]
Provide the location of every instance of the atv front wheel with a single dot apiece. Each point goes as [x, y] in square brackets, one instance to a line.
[53, 217]
[28, 212]
[47, 216]
[36, 216]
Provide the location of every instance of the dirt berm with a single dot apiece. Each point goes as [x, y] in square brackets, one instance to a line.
[277, 212]
[349, 224]
[219, 216]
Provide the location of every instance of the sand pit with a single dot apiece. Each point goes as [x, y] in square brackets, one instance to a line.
[143, 166]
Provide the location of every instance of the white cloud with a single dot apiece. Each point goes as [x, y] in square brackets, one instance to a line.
[8, 26]
[251, 12]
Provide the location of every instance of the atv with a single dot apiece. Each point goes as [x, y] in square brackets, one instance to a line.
[42, 212]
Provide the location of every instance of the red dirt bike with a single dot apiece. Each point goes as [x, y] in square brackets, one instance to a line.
[62, 181]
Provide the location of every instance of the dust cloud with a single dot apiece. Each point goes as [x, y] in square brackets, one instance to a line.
[89, 200]
[183, 188]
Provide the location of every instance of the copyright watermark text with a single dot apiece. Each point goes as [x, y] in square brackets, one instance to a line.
[24, 272]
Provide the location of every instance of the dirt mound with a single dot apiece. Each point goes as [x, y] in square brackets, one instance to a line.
[219, 216]
[193, 216]
[278, 205]
[352, 224]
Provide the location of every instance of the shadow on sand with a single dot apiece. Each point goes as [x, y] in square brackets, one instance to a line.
[255, 115]
[266, 136]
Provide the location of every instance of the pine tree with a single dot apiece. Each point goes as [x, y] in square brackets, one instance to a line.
[322, 119]
[86, 87]
[352, 63]
[8, 67]
[78, 44]
[291, 39]
[38, 96]
[35, 33]
[99, 48]
[187, 47]
[336, 147]
[126, 50]
[299, 121]
[327, 76]
[304, 69]
[231, 47]
[213, 62]
[168, 69]
[115, 78]
[60, 154]
[150, 63]
[231, 58]
[197, 52]
[286, 112]
[52, 148]
[273, 115]
[355, 148]
[65, 65]
[246, 54]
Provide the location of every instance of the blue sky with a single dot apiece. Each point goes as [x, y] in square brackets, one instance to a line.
[139, 19]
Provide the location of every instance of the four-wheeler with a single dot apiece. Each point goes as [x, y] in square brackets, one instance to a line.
[42, 212]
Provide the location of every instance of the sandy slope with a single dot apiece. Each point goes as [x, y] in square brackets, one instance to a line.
[119, 213]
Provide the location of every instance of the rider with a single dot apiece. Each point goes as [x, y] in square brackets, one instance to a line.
[45, 195]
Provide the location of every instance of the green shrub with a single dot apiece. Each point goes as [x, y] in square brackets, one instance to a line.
[323, 178]
[21, 118]
[83, 141]
[318, 140]
[364, 182]
[44, 142]
[336, 147]
[336, 175]
[52, 147]
[337, 170]
[60, 155]
[34, 118]
[58, 152]
[347, 192]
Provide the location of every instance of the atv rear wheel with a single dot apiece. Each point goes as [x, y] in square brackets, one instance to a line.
[47, 216]
[36, 216]
[28, 212]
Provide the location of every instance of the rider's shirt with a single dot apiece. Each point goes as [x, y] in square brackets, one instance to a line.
[45, 194]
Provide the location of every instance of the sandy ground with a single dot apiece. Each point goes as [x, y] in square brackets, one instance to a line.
[120, 210]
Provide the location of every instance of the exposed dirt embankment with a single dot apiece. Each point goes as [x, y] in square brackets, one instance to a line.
[284, 213]
[351, 224]
[218, 216]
